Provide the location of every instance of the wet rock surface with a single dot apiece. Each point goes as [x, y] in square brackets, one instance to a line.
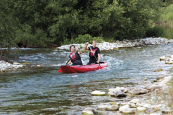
[5, 66]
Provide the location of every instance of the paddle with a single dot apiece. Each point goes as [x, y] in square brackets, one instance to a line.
[60, 71]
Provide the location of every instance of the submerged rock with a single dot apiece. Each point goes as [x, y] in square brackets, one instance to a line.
[158, 70]
[98, 93]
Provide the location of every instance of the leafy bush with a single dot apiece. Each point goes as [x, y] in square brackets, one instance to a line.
[83, 39]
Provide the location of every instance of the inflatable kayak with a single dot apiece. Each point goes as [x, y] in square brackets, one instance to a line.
[82, 68]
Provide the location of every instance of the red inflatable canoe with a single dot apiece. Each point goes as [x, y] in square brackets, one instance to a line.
[82, 68]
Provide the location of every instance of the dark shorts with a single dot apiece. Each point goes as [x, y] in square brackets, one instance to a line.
[77, 62]
[92, 61]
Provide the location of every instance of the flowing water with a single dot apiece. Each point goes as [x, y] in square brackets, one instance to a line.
[41, 90]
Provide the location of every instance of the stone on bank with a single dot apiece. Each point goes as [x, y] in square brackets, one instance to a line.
[98, 93]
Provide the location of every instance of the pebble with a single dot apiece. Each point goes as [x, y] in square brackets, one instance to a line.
[88, 111]
[141, 109]
[98, 93]
[112, 108]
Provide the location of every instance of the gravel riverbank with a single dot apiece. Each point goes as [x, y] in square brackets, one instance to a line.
[147, 98]
[124, 43]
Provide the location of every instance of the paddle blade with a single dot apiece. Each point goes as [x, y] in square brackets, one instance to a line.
[60, 71]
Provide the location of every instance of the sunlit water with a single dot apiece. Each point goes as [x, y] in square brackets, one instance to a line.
[44, 91]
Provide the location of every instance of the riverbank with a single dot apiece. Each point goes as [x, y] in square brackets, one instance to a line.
[149, 97]
[6, 66]
[124, 43]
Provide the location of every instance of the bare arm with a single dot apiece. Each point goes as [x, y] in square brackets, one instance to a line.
[79, 51]
[69, 62]
[86, 48]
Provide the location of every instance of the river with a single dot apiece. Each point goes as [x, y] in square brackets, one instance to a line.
[41, 90]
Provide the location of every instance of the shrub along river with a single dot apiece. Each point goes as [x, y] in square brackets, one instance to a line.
[37, 90]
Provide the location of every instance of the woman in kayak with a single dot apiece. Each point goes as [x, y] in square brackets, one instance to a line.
[94, 53]
[74, 56]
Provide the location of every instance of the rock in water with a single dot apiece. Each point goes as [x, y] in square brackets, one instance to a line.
[112, 108]
[158, 70]
[169, 60]
[162, 58]
[88, 111]
[98, 93]
[160, 77]
[102, 107]
[117, 94]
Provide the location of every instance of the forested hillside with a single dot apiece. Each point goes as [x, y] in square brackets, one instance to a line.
[43, 23]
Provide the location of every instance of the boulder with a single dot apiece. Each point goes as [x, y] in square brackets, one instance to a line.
[153, 87]
[102, 107]
[158, 70]
[112, 108]
[121, 89]
[160, 77]
[146, 106]
[88, 111]
[162, 58]
[141, 109]
[117, 94]
[135, 101]
[137, 91]
[133, 105]
[126, 110]
[169, 60]
[98, 93]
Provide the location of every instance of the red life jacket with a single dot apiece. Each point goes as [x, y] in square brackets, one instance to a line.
[92, 52]
[73, 56]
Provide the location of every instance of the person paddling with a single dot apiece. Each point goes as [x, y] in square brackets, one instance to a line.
[74, 56]
[94, 53]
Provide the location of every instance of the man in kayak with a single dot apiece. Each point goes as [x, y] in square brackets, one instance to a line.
[74, 56]
[94, 53]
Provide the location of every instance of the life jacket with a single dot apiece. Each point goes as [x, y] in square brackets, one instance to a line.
[73, 56]
[92, 52]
